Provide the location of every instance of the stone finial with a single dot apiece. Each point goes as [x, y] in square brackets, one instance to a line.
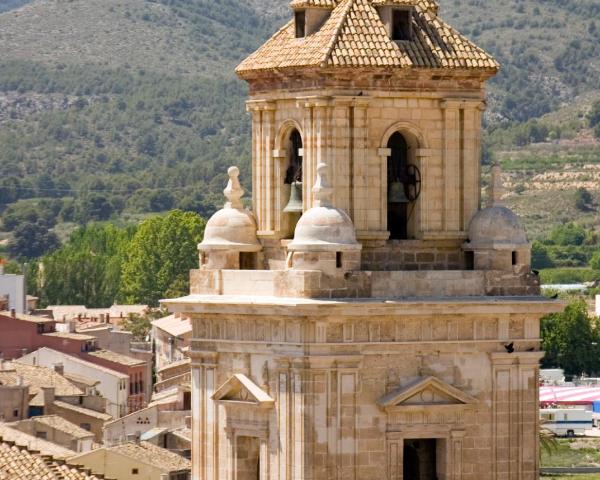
[497, 190]
[322, 189]
[234, 191]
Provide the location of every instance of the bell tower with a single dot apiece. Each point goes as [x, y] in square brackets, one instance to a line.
[367, 319]
[391, 99]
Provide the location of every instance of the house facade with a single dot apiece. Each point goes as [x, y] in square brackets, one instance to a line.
[369, 318]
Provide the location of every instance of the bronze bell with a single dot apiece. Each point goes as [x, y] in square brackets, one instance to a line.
[397, 193]
[295, 203]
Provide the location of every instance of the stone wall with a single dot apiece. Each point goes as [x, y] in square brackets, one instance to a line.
[350, 134]
[363, 284]
[328, 420]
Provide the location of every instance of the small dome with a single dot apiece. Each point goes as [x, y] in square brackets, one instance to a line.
[324, 227]
[232, 227]
[496, 226]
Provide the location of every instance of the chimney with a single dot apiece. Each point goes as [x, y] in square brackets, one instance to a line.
[49, 394]
[19, 381]
[23, 352]
[13, 313]
[188, 421]
[59, 368]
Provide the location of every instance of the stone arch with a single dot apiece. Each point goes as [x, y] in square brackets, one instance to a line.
[414, 135]
[416, 142]
[286, 222]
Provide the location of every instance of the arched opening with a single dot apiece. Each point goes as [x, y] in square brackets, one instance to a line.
[292, 206]
[398, 202]
[294, 149]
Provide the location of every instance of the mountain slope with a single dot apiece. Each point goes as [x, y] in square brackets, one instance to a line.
[135, 101]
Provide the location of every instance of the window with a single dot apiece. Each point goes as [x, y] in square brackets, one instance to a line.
[514, 258]
[135, 471]
[42, 435]
[86, 426]
[15, 413]
[300, 17]
[401, 24]
[338, 259]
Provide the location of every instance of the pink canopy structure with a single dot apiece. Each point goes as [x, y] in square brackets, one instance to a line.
[569, 395]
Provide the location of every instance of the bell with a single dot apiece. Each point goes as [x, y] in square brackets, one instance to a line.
[396, 193]
[295, 203]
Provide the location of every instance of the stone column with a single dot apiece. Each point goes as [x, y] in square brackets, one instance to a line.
[264, 183]
[204, 416]
[360, 173]
[452, 170]
[472, 160]
[423, 156]
[341, 152]
[515, 421]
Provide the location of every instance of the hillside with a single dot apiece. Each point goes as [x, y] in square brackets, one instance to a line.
[124, 107]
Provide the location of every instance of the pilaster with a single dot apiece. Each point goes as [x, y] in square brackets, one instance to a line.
[205, 463]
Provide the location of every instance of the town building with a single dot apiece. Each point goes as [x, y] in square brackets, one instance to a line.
[21, 461]
[171, 336]
[57, 430]
[369, 317]
[13, 293]
[22, 333]
[135, 459]
[113, 315]
[49, 392]
[44, 447]
[112, 386]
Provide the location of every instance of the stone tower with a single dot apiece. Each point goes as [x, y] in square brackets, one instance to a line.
[367, 320]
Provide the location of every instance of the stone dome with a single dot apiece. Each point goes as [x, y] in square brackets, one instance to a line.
[496, 226]
[232, 227]
[324, 227]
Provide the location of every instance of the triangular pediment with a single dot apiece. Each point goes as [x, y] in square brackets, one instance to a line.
[240, 390]
[429, 391]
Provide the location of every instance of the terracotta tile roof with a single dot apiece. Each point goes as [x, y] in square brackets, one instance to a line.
[19, 463]
[355, 36]
[117, 358]
[152, 455]
[33, 443]
[37, 377]
[174, 325]
[313, 3]
[70, 336]
[105, 417]
[26, 318]
[175, 365]
[62, 425]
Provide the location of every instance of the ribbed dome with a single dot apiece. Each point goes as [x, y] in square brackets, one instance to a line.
[496, 226]
[324, 227]
[232, 227]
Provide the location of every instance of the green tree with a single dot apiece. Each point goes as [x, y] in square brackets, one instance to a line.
[87, 269]
[583, 199]
[540, 256]
[161, 254]
[568, 234]
[32, 240]
[570, 341]
[594, 115]
[595, 261]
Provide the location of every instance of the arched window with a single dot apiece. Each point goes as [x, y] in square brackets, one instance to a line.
[293, 172]
[291, 193]
[397, 165]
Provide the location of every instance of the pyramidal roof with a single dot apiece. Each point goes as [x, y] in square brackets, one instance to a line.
[355, 36]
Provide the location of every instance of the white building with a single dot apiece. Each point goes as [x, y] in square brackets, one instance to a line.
[12, 287]
[113, 385]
